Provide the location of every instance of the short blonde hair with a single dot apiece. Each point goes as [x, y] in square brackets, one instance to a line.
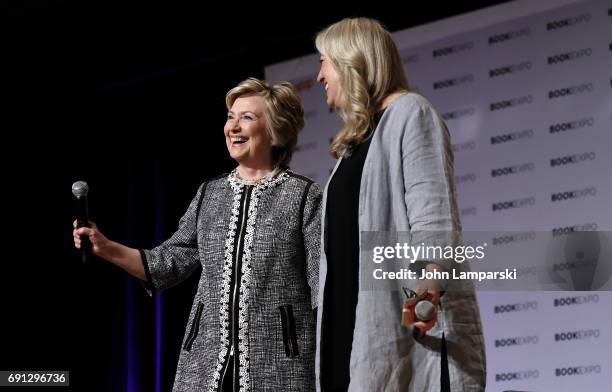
[284, 114]
[369, 66]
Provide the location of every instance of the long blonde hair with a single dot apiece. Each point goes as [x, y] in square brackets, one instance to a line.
[367, 61]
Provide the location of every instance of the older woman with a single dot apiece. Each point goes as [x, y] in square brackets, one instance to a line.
[394, 174]
[256, 234]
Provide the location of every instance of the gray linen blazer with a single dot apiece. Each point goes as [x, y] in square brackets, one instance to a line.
[259, 251]
[408, 185]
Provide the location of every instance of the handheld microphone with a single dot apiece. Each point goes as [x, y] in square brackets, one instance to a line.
[419, 309]
[424, 310]
[80, 189]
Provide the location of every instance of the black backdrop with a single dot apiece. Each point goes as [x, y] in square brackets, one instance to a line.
[130, 98]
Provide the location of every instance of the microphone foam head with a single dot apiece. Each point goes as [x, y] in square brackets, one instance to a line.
[424, 310]
[80, 189]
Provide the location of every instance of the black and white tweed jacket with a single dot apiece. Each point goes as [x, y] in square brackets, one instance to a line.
[259, 250]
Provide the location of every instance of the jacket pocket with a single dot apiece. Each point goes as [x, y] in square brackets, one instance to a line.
[195, 327]
[289, 335]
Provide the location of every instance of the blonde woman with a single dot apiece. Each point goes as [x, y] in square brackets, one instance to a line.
[256, 234]
[394, 173]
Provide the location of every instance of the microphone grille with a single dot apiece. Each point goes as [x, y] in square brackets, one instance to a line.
[80, 189]
[424, 310]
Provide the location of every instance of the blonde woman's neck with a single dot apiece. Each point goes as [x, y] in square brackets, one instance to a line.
[388, 99]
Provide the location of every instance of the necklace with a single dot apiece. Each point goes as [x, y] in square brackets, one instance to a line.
[254, 181]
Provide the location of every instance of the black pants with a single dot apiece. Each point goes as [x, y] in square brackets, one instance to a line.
[444, 376]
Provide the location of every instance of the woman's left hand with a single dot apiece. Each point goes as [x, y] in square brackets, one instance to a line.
[427, 289]
[432, 295]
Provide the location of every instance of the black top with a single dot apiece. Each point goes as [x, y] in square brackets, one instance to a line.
[342, 282]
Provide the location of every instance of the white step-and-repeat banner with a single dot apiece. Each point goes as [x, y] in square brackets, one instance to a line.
[526, 91]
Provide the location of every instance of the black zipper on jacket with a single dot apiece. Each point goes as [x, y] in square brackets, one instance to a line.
[235, 287]
[195, 326]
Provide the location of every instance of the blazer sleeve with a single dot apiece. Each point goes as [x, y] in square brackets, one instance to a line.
[176, 258]
[430, 197]
[311, 232]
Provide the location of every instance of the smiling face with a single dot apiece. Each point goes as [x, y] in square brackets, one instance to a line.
[331, 81]
[246, 136]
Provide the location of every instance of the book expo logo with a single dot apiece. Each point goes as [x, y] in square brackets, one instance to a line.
[569, 91]
[463, 178]
[576, 300]
[573, 195]
[527, 271]
[581, 334]
[513, 238]
[516, 307]
[511, 103]
[453, 82]
[574, 263]
[452, 49]
[571, 125]
[572, 159]
[578, 370]
[410, 58]
[457, 114]
[566, 230]
[512, 204]
[517, 376]
[510, 69]
[465, 146]
[515, 169]
[509, 36]
[512, 136]
[569, 56]
[469, 211]
[516, 341]
[568, 22]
